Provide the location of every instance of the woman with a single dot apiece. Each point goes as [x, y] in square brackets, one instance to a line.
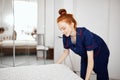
[92, 49]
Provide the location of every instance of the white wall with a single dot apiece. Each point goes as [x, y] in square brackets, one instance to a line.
[50, 23]
[46, 21]
[93, 15]
[58, 49]
[0, 12]
[114, 39]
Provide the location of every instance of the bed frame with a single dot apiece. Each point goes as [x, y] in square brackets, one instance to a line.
[20, 46]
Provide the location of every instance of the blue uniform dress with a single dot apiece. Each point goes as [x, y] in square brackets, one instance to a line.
[86, 41]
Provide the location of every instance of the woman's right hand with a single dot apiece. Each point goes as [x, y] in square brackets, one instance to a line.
[63, 56]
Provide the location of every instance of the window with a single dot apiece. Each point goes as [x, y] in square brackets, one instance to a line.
[25, 18]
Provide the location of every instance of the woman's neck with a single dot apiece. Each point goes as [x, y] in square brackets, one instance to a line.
[73, 36]
[73, 33]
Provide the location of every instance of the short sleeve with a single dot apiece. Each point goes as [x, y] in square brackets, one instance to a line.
[89, 41]
[65, 42]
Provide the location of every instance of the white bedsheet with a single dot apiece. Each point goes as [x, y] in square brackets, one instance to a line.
[40, 72]
[19, 43]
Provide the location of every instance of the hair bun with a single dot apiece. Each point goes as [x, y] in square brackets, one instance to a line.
[62, 11]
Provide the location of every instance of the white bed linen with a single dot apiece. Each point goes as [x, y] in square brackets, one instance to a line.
[38, 72]
[19, 43]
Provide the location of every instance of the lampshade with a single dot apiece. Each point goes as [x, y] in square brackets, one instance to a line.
[2, 29]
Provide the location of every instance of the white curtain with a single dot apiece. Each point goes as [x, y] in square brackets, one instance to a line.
[6, 18]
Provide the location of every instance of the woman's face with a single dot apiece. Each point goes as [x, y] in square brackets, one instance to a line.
[65, 28]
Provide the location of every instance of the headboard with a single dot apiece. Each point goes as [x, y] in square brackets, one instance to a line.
[5, 35]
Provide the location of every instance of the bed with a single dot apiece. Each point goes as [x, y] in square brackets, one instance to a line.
[21, 46]
[19, 43]
[39, 72]
[22, 39]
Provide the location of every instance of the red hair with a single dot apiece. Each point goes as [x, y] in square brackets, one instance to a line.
[68, 18]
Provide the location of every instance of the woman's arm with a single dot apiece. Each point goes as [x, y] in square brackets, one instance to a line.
[63, 56]
[89, 65]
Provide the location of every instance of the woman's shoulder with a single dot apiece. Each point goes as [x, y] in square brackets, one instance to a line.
[87, 32]
[82, 31]
[82, 28]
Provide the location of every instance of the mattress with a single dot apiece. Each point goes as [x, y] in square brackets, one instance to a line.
[39, 72]
[19, 43]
